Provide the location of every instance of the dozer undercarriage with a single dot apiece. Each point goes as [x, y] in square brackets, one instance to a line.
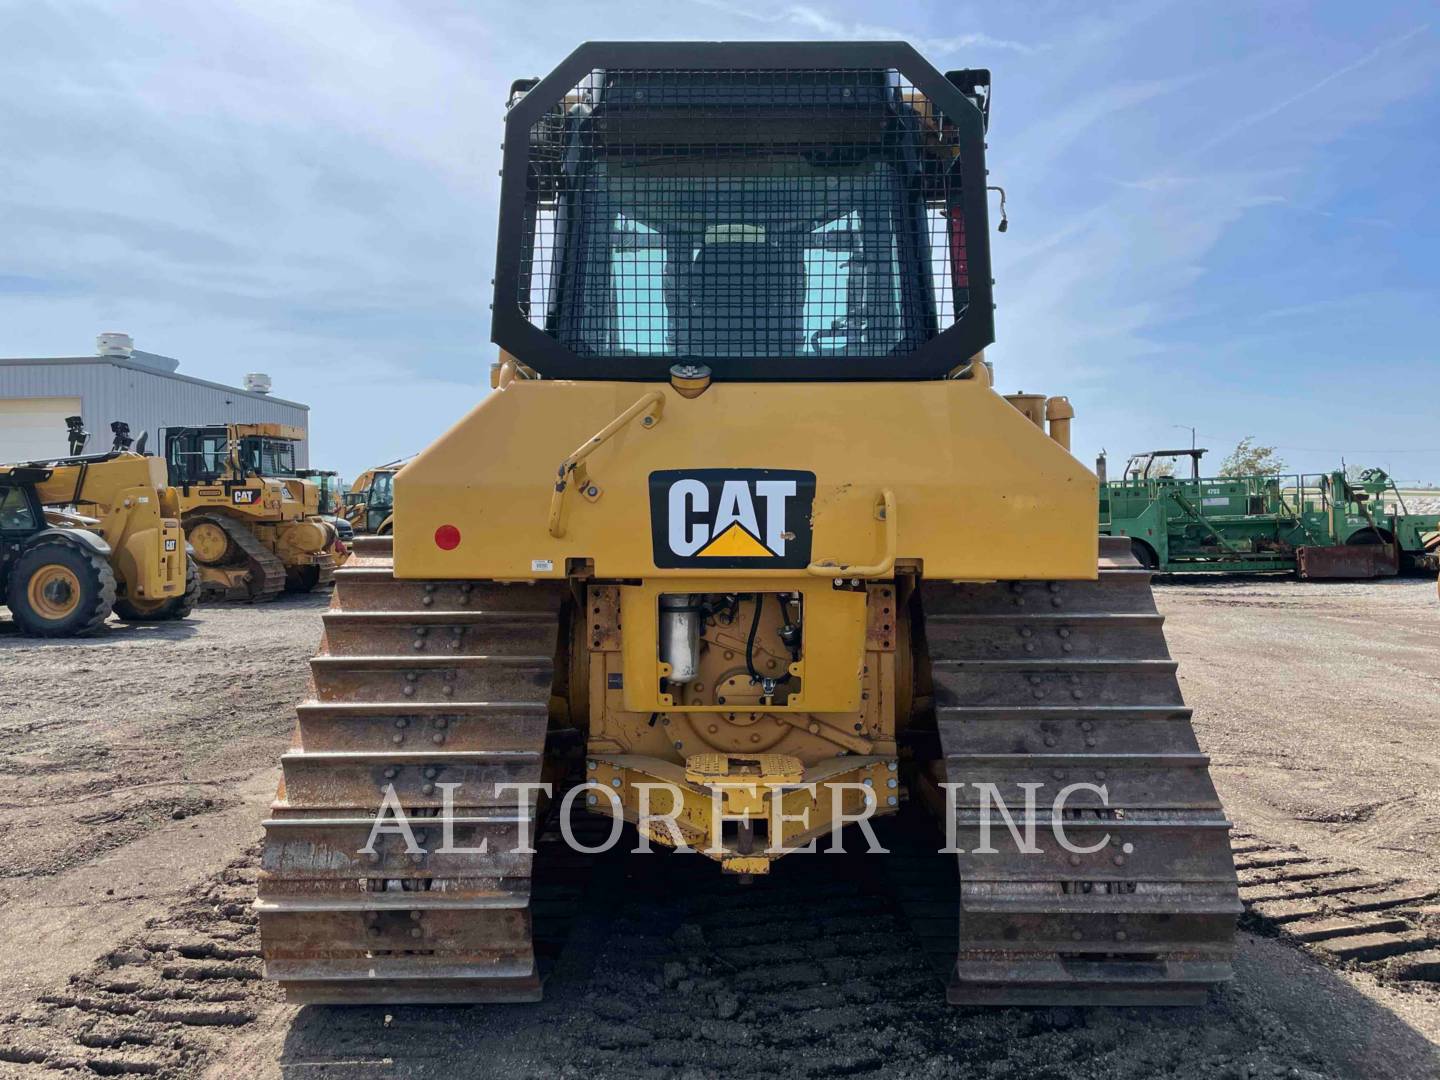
[420, 685]
[256, 561]
[745, 550]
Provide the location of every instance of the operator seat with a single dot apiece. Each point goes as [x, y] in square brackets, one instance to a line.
[743, 298]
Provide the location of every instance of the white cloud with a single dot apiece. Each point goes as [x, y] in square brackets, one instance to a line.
[1334, 77]
[817, 21]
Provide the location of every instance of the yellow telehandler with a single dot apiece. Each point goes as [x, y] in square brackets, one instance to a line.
[82, 535]
[745, 512]
[253, 523]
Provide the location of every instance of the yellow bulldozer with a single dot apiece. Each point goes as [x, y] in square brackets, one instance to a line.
[253, 523]
[745, 512]
[83, 535]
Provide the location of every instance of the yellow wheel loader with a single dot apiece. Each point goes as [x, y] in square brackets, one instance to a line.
[745, 511]
[254, 524]
[84, 535]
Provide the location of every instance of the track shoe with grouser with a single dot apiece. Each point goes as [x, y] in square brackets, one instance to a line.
[418, 686]
[1070, 683]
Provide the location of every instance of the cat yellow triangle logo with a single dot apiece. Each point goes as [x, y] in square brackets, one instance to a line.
[735, 542]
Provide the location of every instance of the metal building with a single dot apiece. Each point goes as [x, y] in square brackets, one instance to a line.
[123, 383]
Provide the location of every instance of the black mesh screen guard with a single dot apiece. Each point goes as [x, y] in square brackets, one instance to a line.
[776, 211]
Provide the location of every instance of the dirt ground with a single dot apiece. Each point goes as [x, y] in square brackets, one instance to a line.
[139, 765]
[1319, 704]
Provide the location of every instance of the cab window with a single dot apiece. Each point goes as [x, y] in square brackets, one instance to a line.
[268, 457]
[196, 457]
[778, 261]
[382, 490]
[16, 512]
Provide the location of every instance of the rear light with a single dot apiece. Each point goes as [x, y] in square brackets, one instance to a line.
[447, 537]
[959, 257]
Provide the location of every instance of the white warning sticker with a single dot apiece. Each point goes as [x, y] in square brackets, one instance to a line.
[541, 566]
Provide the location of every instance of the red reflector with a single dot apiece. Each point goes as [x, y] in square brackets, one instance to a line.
[447, 537]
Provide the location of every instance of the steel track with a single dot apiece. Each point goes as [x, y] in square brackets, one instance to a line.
[267, 572]
[417, 684]
[1058, 683]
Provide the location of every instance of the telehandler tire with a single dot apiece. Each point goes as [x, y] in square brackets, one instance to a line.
[169, 610]
[58, 589]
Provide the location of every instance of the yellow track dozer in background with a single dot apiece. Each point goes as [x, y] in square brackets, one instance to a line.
[82, 535]
[253, 524]
[745, 515]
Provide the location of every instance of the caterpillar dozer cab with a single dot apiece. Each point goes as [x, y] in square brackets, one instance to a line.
[253, 522]
[83, 535]
[745, 511]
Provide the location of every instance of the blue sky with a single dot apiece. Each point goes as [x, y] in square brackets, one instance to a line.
[1222, 214]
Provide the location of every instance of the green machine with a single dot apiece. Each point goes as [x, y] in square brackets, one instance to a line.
[1315, 525]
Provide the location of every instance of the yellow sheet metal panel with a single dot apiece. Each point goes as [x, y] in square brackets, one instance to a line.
[980, 492]
[267, 431]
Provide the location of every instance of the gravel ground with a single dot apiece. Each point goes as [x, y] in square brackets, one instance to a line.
[139, 766]
[1319, 703]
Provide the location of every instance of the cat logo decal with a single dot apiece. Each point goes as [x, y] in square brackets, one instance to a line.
[739, 519]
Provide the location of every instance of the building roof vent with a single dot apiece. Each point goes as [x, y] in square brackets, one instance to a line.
[257, 382]
[114, 343]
